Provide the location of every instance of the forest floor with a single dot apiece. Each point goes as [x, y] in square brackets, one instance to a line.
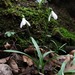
[17, 63]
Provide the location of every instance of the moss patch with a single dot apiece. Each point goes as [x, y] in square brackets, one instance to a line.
[64, 33]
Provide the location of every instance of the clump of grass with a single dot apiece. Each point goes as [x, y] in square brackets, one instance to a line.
[57, 47]
[40, 62]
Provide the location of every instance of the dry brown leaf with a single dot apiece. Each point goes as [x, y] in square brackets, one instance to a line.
[68, 58]
[27, 60]
[30, 49]
[29, 70]
[72, 52]
[4, 60]
[14, 66]
[5, 69]
[69, 66]
[16, 56]
[7, 45]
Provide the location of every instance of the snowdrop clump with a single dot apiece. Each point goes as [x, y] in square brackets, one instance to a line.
[52, 14]
[24, 22]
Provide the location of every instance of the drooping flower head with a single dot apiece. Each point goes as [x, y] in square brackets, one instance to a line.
[52, 14]
[39, 1]
[24, 22]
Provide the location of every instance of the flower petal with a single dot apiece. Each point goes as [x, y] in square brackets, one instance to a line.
[28, 23]
[54, 15]
[49, 17]
[23, 22]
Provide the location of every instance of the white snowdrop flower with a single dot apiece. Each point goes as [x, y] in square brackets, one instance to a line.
[39, 1]
[52, 14]
[24, 22]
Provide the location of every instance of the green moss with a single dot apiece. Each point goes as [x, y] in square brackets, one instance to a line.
[67, 34]
[64, 33]
[37, 17]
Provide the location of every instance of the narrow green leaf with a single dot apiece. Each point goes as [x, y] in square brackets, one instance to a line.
[63, 50]
[54, 43]
[61, 72]
[15, 51]
[37, 47]
[38, 52]
[62, 46]
[45, 54]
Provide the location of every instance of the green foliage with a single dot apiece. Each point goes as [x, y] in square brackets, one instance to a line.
[9, 33]
[41, 57]
[40, 2]
[69, 72]
[39, 21]
[61, 72]
[22, 42]
[39, 63]
[57, 47]
[64, 33]
[15, 51]
[6, 3]
[37, 17]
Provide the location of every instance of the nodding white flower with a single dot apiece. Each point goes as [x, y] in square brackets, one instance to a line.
[24, 22]
[52, 14]
[39, 1]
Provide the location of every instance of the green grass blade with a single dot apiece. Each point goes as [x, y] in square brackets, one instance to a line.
[36, 46]
[62, 46]
[45, 54]
[63, 50]
[15, 51]
[38, 51]
[54, 43]
[61, 72]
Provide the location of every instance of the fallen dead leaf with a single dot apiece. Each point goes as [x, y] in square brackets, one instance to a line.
[72, 52]
[13, 47]
[14, 65]
[29, 70]
[27, 60]
[7, 45]
[30, 49]
[4, 60]
[68, 58]
[69, 65]
[5, 69]
[16, 56]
